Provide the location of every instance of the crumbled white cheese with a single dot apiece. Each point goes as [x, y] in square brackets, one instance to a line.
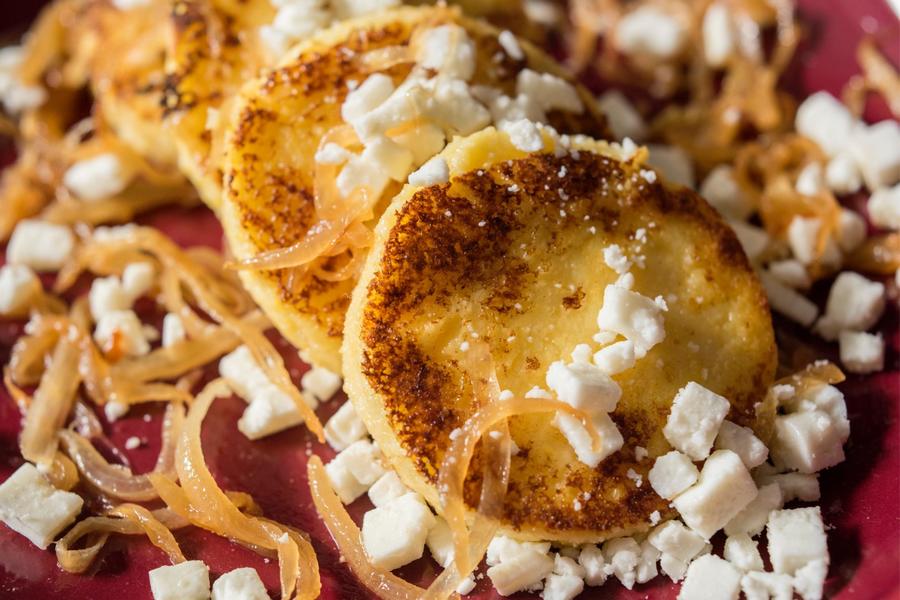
[809, 580]
[791, 272]
[694, 420]
[40, 245]
[448, 50]
[724, 489]
[32, 507]
[354, 470]
[742, 552]
[321, 383]
[433, 172]
[521, 567]
[615, 358]
[861, 352]
[623, 555]
[269, 408]
[851, 230]
[137, 279]
[615, 259]
[581, 354]
[672, 538]
[173, 330]
[671, 474]
[722, 191]
[15, 95]
[611, 439]
[107, 295]
[788, 302]
[634, 316]
[752, 519]
[624, 119]
[803, 238]
[877, 152]
[562, 587]
[239, 584]
[424, 140]
[332, 154]
[386, 489]
[808, 441]
[673, 162]
[884, 207]
[842, 175]
[121, 331]
[743, 442]
[548, 91]
[826, 121]
[133, 443]
[711, 578]
[344, 427]
[796, 537]
[510, 45]
[394, 534]
[596, 571]
[503, 548]
[854, 303]
[370, 94]
[646, 568]
[524, 135]
[718, 35]
[450, 105]
[466, 586]
[794, 486]
[583, 386]
[810, 179]
[18, 287]
[185, 581]
[650, 30]
[115, 410]
[96, 178]
[758, 585]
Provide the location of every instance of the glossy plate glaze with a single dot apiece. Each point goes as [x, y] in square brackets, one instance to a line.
[861, 497]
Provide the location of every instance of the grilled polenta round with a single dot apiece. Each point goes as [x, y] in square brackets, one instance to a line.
[126, 50]
[215, 49]
[280, 120]
[509, 252]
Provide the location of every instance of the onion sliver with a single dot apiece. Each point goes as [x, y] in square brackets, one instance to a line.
[118, 481]
[347, 537]
[51, 404]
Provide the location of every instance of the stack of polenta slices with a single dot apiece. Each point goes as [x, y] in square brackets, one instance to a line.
[396, 187]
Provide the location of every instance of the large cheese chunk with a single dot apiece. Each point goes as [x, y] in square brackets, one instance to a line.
[185, 581]
[321, 383]
[96, 178]
[584, 386]
[743, 442]
[676, 540]
[808, 441]
[440, 542]
[758, 585]
[672, 473]
[448, 50]
[861, 352]
[854, 303]
[521, 567]
[711, 578]
[344, 427]
[239, 584]
[40, 245]
[29, 505]
[724, 489]
[796, 538]
[394, 534]
[387, 488]
[884, 207]
[650, 30]
[634, 316]
[742, 552]
[694, 421]
[826, 121]
[354, 470]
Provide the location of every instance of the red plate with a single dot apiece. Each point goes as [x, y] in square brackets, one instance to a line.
[861, 497]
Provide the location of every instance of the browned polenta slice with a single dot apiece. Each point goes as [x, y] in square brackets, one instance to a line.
[280, 120]
[511, 250]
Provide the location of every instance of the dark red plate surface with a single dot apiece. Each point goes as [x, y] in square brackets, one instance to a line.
[861, 497]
